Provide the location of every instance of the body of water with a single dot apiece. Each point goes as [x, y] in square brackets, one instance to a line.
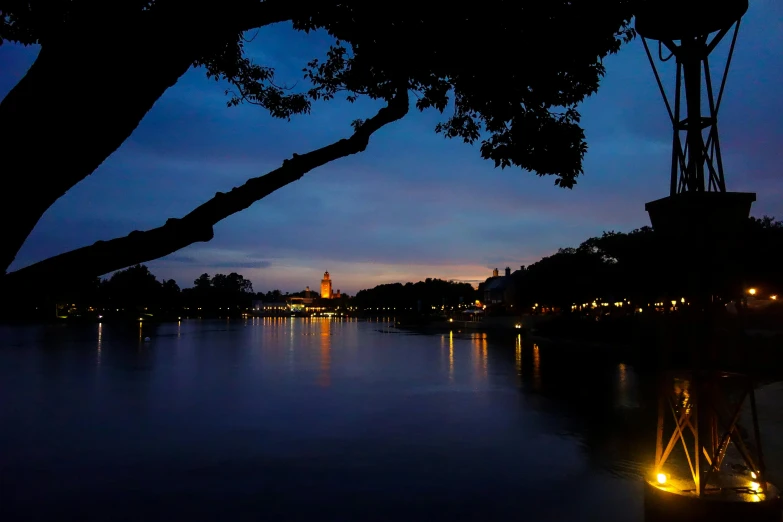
[297, 419]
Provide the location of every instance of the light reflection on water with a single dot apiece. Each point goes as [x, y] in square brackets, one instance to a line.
[451, 357]
[326, 340]
[316, 419]
[100, 336]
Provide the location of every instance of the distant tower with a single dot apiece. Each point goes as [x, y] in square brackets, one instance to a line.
[495, 273]
[508, 271]
[307, 292]
[337, 294]
[326, 286]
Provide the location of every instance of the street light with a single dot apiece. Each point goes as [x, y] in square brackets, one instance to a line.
[752, 291]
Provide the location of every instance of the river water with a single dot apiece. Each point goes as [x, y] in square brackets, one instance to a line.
[296, 419]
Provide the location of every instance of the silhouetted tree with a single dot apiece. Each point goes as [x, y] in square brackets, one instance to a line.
[618, 265]
[273, 296]
[764, 256]
[430, 292]
[203, 282]
[221, 291]
[134, 287]
[171, 295]
[512, 73]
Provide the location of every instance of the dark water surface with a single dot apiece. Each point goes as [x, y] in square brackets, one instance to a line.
[315, 420]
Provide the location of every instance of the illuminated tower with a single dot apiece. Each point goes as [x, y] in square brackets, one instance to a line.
[326, 286]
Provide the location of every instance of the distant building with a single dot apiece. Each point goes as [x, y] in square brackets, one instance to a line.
[326, 288]
[278, 308]
[497, 288]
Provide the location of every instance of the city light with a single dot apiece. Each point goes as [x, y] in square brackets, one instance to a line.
[661, 478]
[773, 297]
[753, 475]
[518, 326]
[752, 291]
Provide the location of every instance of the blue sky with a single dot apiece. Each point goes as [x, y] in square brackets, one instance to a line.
[414, 205]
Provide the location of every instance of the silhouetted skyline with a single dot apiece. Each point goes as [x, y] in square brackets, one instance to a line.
[414, 205]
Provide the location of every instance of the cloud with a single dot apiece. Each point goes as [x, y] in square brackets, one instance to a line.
[241, 264]
[181, 259]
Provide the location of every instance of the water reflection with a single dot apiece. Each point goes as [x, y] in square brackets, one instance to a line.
[479, 354]
[536, 368]
[100, 341]
[326, 358]
[451, 357]
[388, 421]
[682, 393]
[626, 390]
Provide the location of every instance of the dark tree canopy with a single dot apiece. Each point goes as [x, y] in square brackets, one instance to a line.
[408, 296]
[220, 290]
[620, 265]
[509, 75]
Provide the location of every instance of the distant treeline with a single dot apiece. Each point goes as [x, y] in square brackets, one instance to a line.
[633, 265]
[612, 267]
[409, 296]
[136, 289]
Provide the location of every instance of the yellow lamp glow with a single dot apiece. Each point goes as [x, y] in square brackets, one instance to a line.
[753, 475]
[773, 297]
[661, 478]
[752, 291]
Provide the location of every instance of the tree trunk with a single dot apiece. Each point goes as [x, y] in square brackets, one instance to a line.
[89, 89]
[76, 105]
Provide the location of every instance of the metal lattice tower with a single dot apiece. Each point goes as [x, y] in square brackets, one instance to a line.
[700, 231]
[690, 32]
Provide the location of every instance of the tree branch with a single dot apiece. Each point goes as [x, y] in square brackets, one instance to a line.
[137, 247]
[49, 110]
[268, 12]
